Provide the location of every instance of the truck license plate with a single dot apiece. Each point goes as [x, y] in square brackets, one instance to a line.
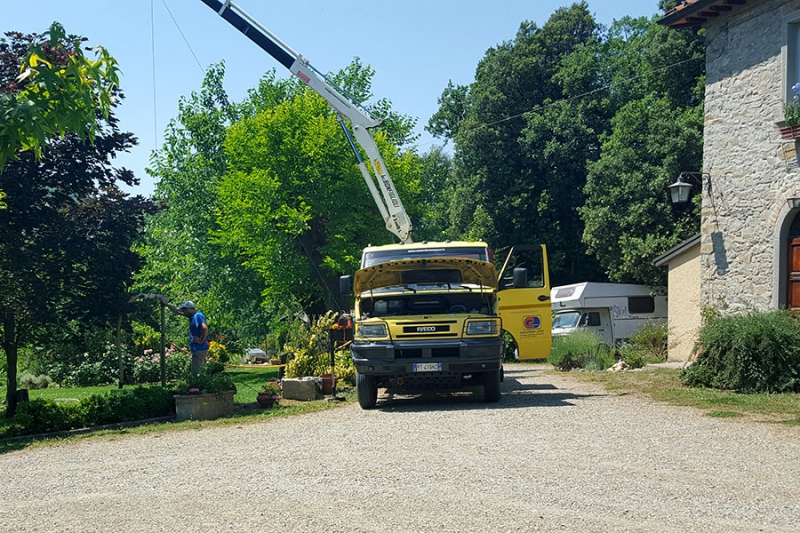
[427, 367]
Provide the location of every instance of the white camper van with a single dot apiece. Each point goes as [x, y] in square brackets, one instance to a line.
[612, 311]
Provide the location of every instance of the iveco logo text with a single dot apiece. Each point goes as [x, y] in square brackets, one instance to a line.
[422, 329]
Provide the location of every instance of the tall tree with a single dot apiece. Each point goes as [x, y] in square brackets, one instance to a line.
[657, 80]
[294, 206]
[65, 238]
[520, 153]
[182, 258]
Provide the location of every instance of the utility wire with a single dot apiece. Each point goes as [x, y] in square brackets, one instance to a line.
[203, 70]
[153, 54]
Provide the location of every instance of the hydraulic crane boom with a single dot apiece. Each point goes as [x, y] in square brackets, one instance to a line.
[388, 202]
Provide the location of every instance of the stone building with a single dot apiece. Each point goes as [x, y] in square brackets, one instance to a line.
[750, 232]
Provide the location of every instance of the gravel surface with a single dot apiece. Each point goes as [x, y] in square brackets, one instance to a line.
[553, 455]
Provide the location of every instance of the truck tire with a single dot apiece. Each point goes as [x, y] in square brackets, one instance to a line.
[491, 386]
[367, 389]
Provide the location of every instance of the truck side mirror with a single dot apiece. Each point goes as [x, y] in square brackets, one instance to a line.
[520, 278]
[346, 285]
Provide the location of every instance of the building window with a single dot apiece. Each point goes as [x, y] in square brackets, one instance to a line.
[792, 54]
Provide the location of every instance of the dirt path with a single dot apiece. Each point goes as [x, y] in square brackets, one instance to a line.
[553, 455]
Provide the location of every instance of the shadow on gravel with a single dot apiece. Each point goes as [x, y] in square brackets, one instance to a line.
[516, 395]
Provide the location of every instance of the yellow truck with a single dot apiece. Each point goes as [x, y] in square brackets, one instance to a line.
[431, 316]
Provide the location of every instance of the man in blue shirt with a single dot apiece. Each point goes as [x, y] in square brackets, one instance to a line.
[198, 332]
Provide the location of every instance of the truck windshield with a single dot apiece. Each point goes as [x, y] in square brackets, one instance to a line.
[566, 320]
[384, 256]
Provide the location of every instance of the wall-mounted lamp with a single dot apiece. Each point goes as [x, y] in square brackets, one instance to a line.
[794, 202]
[679, 191]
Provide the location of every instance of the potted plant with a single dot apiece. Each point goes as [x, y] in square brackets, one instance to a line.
[204, 396]
[791, 115]
[269, 395]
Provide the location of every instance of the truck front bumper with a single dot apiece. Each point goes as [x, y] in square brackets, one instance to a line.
[461, 356]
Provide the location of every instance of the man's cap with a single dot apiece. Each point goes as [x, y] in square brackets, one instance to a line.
[188, 304]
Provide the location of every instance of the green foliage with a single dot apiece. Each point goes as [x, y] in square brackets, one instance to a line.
[59, 91]
[182, 260]
[568, 136]
[290, 173]
[307, 347]
[581, 349]
[308, 352]
[758, 352]
[212, 379]
[791, 111]
[42, 416]
[647, 345]
[30, 381]
[655, 132]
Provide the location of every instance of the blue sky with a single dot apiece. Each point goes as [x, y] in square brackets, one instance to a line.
[415, 46]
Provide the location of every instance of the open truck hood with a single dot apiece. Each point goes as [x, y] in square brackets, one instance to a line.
[441, 270]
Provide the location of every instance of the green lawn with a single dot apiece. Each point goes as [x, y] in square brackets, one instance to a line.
[248, 382]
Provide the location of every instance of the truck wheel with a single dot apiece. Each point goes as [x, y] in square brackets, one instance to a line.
[367, 389]
[491, 386]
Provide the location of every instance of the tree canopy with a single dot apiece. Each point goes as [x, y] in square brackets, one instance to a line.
[52, 90]
[568, 136]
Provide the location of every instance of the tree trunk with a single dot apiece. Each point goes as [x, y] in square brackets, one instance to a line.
[10, 347]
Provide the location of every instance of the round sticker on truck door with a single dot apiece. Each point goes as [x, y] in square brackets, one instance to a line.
[532, 322]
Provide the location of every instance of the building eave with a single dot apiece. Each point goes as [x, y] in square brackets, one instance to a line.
[695, 13]
[677, 250]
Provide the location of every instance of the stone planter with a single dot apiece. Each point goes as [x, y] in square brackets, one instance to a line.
[203, 406]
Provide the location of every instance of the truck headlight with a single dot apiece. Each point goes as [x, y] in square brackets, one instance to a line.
[483, 327]
[372, 331]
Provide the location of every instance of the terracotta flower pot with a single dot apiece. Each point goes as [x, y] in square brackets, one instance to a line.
[328, 382]
[265, 400]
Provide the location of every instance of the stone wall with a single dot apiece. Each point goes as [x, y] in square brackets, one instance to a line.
[751, 170]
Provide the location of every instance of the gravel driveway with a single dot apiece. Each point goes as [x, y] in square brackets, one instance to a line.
[553, 455]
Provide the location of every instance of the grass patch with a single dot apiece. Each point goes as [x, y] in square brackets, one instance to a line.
[724, 414]
[664, 385]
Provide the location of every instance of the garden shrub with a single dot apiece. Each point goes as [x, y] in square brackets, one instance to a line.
[758, 352]
[30, 381]
[307, 347]
[581, 349]
[647, 345]
[43, 416]
[147, 368]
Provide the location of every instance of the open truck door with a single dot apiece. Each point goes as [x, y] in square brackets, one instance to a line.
[524, 300]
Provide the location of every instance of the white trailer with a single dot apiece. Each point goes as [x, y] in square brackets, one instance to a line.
[612, 311]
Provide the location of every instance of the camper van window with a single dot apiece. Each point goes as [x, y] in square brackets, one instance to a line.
[641, 304]
[566, 320]
[590, 320]
[565, 293]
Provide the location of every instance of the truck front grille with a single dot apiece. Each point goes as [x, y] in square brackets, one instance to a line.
[444, 329]
[419, 353]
